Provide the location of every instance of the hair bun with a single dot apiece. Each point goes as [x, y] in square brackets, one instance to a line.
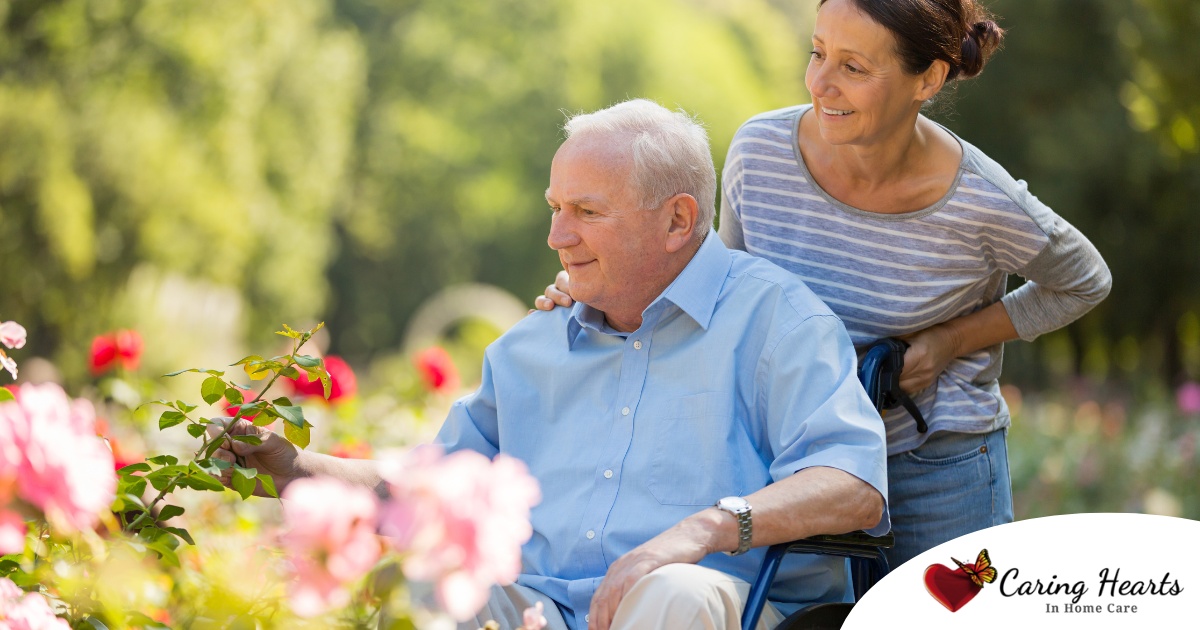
[982, 39]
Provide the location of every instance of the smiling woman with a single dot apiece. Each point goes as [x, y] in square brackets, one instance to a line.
[905, 230]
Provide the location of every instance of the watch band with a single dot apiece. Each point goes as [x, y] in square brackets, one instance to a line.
[740, 509]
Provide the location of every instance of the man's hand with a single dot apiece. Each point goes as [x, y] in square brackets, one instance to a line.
[689, 541]
[275, 456]
[558, 293]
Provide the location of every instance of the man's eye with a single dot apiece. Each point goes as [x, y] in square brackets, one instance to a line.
[852, 69]
[587, 212]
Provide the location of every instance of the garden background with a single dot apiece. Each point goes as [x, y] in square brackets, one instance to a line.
[199, 172]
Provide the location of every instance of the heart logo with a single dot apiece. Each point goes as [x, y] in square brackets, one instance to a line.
[952, 588]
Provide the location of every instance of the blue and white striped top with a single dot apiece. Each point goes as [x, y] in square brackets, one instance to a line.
[892, 274]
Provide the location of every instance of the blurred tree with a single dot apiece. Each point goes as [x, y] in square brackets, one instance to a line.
[1050, 109]
[205, 139]
[464, 112]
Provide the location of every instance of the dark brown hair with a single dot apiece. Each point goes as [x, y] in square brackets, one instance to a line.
[960, 32]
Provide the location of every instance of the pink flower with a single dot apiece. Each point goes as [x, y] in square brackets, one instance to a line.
[12, 335]
[437, 370]
[26, 611]
[329, 547]
[49, 448]
[1187, 397]
[7, 363]
[534, 617]
[342, 382]
[12, 533]
[460, 520]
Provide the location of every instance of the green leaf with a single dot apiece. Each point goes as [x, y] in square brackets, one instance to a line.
[6, 395]
[326, 383]
[245, 360]
[294, 415]
[233, 395]
[248, 473]
[164, 460]
[135, 486]
[290, 372]
[195, 430]
[244, 486]
[168, 554]
[96, 623]
[282, 400]
[180, 372]
[184, 407]
[169, 419]
[161, 478]
[304, 360]
[297, 435]
[212, 389]
[268, 484]
[288, 332]
[138, 467]
[248, 439]
[182, 533]
[169, 512]
[201, 480]
[258, 370]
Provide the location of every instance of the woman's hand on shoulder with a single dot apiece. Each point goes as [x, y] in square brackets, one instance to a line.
[929, 352]
[557, 294]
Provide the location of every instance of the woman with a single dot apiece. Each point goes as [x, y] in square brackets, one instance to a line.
[907, 231]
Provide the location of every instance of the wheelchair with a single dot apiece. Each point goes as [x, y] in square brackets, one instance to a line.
[879, 372]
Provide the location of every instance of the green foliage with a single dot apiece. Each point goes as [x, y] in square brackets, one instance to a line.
[204, 139]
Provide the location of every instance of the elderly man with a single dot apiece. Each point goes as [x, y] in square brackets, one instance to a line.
[694, 404]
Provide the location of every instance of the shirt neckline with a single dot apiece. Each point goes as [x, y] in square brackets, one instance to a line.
[902, 216]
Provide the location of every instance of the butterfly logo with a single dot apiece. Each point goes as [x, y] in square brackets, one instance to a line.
[953, 588]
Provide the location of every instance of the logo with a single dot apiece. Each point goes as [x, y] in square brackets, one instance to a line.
[953, 588]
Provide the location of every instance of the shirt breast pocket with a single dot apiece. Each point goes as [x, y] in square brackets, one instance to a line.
[698, 447]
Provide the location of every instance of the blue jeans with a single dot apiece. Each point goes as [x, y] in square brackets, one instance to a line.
[953, 484]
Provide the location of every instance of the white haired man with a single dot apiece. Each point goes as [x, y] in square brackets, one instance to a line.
[695, 404]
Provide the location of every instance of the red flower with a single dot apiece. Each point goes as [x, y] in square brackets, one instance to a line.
[104, 354]
[437, 370]
[233, 410]
[342, 382]
[129, 348]
[124, 346]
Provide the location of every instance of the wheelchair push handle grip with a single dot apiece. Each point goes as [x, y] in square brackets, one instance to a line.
[879, 372]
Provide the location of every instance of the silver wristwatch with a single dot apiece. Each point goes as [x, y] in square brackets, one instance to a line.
[740, 509]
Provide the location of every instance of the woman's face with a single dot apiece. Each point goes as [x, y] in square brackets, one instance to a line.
[860, 91]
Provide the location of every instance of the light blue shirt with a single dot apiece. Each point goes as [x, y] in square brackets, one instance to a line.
[737, 377]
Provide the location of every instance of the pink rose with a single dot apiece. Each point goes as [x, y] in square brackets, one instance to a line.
[7, 363]
[12, 335]
[534, 617]
[460, 520]
[26, 611]
[12, 533]
[49, 447]
[330, 541]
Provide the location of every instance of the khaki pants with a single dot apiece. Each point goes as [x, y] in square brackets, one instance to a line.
[674, 596]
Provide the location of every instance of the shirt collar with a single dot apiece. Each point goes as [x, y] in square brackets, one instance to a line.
[695, 291]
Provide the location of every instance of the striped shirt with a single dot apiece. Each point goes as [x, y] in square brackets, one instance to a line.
[890, 274]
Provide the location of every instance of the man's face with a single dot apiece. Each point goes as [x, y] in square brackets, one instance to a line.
[611, 247]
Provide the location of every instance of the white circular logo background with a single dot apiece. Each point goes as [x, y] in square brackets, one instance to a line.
[1069, 571]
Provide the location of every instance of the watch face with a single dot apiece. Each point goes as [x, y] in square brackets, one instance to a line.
[733, 504]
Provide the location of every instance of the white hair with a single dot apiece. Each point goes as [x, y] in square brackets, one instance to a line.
[669, 149]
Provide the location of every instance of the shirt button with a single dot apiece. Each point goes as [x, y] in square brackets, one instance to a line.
[637, 345]
[625, 411]
[591, 534]
[587, 617]
[608, 474]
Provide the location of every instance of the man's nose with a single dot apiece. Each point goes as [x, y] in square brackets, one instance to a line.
[562, 232]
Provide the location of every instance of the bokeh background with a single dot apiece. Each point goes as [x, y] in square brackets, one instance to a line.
[202, 171]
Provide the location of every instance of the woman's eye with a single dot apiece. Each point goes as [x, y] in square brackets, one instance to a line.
[852, 70]
[815, 55]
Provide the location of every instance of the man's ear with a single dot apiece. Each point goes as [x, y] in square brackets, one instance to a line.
[932, 80]
[684, 211]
